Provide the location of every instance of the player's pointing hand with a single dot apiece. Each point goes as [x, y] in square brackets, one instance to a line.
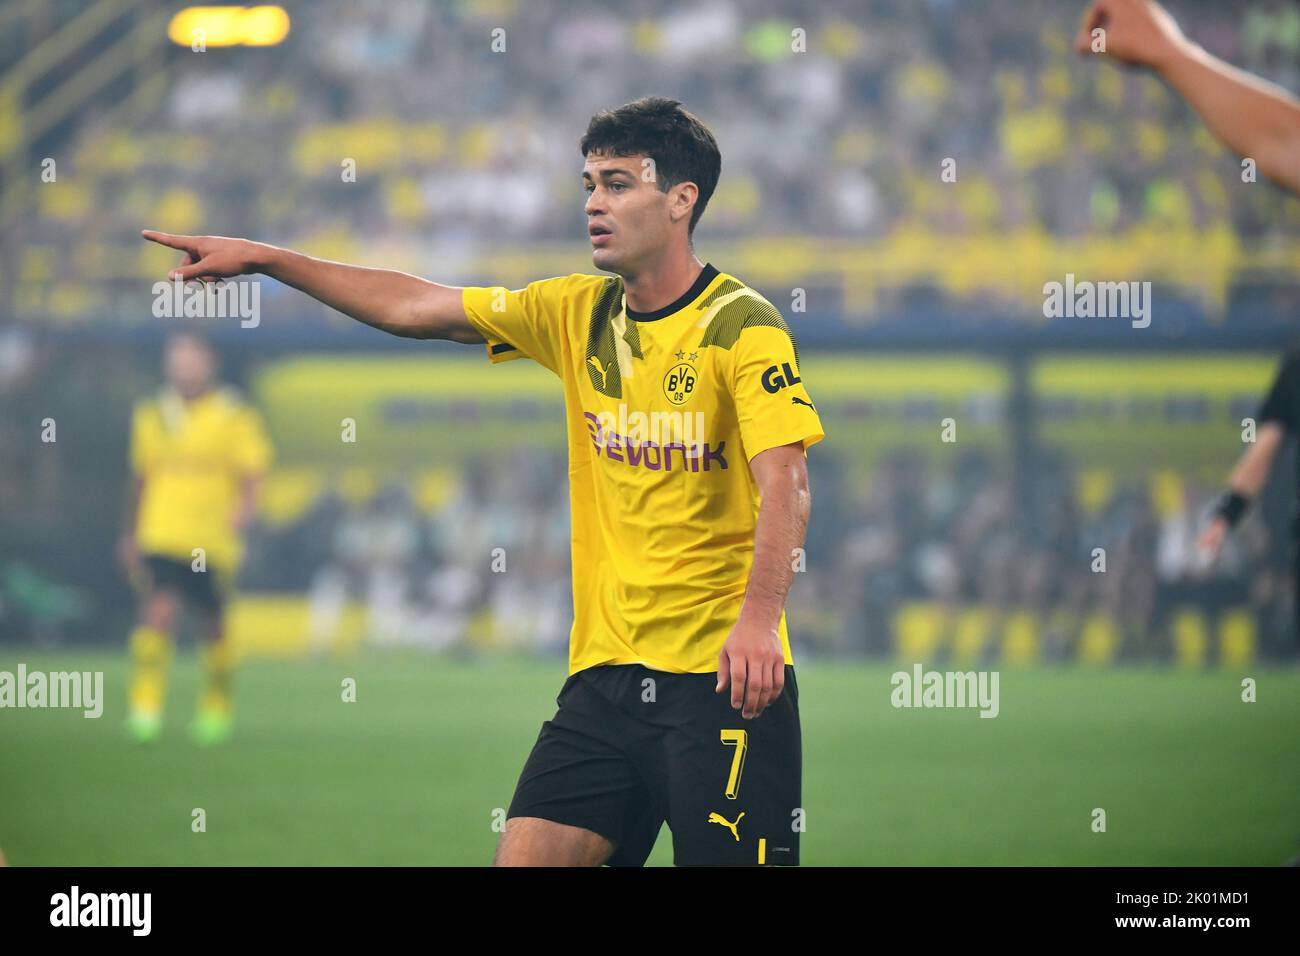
[211, 257]
[1137, 32]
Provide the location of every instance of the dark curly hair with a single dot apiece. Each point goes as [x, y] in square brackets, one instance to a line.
[681, 146]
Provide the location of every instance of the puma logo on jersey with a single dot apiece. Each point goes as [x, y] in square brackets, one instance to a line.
[719, 818]
[795, 400]
[602, 369]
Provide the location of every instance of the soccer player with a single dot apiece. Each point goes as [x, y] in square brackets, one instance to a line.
[688, 422]
[198, 453]
[1276, 418]
[1252, 117]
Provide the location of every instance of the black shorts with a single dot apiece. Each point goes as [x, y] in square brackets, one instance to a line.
[203, 589]
[632, 748]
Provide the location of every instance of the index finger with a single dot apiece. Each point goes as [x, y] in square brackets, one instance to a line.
[167, 239]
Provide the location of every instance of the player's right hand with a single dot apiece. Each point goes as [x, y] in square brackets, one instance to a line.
[1137, 32]
[211, 257]
[1211, 540]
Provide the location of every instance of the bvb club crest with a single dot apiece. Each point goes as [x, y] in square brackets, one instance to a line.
[679, 383]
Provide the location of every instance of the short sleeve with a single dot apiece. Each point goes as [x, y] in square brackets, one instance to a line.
[773, 406]
[144, 442]
[1280, 405]
[525, 322]
[252, 447]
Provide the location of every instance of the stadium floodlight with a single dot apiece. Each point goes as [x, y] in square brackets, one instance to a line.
[229, 26]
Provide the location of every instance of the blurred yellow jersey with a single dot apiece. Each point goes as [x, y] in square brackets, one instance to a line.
[664, 412]
[193, 458]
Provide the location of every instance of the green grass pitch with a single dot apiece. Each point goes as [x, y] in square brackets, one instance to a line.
[412, 772]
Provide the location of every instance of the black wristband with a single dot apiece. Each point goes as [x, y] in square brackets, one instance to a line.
[1232, 506]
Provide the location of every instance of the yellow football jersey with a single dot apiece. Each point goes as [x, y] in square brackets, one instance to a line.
[664, 412]
[192, 458]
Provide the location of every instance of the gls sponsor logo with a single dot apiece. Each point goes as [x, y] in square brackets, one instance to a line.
[775, 379]
[102, 909]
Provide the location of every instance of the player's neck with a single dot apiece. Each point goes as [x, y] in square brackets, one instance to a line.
[192, 397]
[662, 283]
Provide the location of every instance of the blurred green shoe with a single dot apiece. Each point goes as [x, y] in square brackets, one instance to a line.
[144, 726]
[211, 727]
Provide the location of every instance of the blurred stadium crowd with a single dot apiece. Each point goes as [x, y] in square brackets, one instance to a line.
[459, 149]
[427, 576]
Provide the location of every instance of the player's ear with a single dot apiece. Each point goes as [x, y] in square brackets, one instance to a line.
[684, 197]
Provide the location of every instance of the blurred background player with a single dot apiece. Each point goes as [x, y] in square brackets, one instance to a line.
[198, 454]
[1251, 116]
[1276, 418]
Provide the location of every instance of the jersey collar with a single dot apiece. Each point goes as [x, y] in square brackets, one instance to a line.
[707, 275]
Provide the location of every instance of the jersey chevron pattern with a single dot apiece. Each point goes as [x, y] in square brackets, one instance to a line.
[664, 412]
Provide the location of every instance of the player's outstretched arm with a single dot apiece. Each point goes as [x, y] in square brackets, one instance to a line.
[395, 302]
[1251, 116]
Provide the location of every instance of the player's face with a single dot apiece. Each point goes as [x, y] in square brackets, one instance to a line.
[627, 215]
[189, 367]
